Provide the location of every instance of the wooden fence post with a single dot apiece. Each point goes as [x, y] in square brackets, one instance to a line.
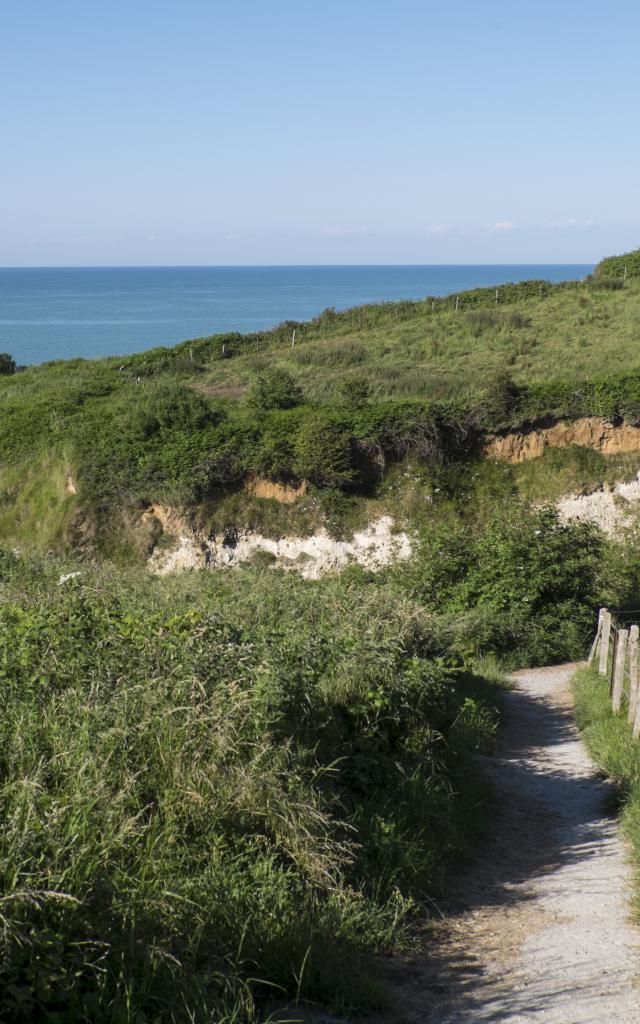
[633, 673]
[598, 636]
[636, 723]
[618, 670]
[604, 642]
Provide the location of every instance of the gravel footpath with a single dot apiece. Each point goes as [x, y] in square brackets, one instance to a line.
[539, 931]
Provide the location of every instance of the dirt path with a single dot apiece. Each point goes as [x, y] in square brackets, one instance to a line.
[539, 932]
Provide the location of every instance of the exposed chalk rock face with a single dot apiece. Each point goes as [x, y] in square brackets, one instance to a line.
[612, 508]
[374, 547]
[589, 432]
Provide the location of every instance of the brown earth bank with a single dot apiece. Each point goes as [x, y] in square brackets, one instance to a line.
[285, 494]
[588, 432]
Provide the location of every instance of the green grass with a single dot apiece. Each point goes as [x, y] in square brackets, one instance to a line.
[220, 793]
[187, 426]
[570, 333]
[610, 741]
[225, 792]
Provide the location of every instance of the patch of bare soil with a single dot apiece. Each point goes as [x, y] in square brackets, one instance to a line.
[588, 432]
[538, 930]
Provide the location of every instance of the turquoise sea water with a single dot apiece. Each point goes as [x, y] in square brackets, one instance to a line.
[60, 313]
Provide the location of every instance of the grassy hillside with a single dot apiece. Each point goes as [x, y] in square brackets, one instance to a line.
[223, 792]
[357, 392]
[218, 794]
[428, 349]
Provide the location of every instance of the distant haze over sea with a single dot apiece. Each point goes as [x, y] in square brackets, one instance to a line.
[62, 313]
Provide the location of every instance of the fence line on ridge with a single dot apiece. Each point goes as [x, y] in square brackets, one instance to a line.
[615, 650]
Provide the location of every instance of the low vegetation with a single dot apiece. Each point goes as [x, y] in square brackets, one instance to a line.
[222, 793]
[189, 425]
[612, 746]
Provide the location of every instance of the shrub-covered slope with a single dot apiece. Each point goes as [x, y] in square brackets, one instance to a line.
[619, 268]
[358, 391]
[224, 792]
[220, 793]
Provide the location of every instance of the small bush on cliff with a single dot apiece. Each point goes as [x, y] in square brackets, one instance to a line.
[167, 406]
[324, 451]
[501, 399]
[275, 389]
[7, 364]
[354, 393]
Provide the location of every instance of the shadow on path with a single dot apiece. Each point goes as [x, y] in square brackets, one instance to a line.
[535, 930]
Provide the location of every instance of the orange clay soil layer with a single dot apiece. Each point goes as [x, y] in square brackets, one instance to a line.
[589, 432]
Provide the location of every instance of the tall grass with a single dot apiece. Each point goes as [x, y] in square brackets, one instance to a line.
[218, 795]
[610, 741]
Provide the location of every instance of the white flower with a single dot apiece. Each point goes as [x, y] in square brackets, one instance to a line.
[68, 576]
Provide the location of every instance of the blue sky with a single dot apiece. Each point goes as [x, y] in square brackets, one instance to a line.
[193, 132]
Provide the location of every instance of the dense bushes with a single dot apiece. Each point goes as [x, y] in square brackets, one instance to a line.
[172, 440]
[276, 389]
[165, 407]
[7, 364]
[323, 451]
[132, 443]
[617, 395]
[619, 267]
[205, 809]
[173, 444]
[518, 583]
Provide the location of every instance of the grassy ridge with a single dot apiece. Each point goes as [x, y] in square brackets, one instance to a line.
[617, 268]
[427, 350]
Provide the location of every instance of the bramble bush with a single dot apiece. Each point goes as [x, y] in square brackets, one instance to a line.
[7, 364]
[219, 793]
[275, 389]
[518, 583]
[613, 267]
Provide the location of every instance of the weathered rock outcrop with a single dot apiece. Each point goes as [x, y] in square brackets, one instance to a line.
[375, 546]
[613, 508]
[589, 432]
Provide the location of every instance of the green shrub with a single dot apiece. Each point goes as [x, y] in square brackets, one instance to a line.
[501, 400]
[354, 392]
[275, 389]
[167, 406]
[324, 451]
[518, 583]
[7, 364]
[219, 791]
[619, 267]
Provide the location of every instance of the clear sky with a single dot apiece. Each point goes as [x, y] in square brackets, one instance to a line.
[318, 131]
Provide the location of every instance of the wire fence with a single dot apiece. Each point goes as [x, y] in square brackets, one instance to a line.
[615, 651]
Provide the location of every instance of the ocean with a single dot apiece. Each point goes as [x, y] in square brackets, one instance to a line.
[62, 313]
